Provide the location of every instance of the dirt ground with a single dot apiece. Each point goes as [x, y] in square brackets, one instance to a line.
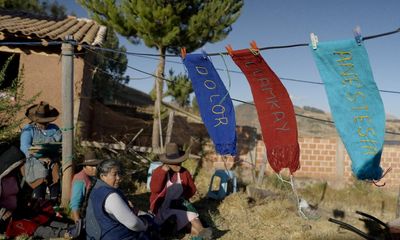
[277, 217]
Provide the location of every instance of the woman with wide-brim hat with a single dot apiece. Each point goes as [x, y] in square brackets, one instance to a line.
[40, 142]
[171, 188]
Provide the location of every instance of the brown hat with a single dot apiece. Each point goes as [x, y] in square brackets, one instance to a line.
[42, 113]
[172, 155]
[90, 159]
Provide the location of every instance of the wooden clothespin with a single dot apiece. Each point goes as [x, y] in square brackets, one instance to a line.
[253, 48]
[314, 41]
[183, 52]
[357, 34]
[229, 49]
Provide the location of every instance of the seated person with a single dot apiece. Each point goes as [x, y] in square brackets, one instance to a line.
[81, 184]
[171, 187]
[40, 141]
[11, 159]
[109, 215]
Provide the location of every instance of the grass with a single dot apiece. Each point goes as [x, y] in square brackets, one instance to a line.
[278, 218]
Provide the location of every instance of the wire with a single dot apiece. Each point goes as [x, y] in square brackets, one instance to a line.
[94, 68]
[261, 49]
[30, 43]
[233, 99]
[239, 72]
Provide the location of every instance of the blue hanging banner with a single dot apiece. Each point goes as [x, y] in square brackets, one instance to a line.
[215, 104]
[355, 103]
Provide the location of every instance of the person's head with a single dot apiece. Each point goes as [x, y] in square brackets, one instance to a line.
[90, 163]
[42, 113]
[173, 157]
[109, 171]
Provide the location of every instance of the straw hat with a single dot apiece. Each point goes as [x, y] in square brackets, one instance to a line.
[172, 155]
[42, 113]
[90, 159]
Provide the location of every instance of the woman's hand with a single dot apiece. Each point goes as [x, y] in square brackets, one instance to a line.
[165, 167]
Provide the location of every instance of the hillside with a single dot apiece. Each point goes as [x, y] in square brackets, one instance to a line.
[246, 115]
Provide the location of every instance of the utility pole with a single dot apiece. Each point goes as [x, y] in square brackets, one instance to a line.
[67, 93]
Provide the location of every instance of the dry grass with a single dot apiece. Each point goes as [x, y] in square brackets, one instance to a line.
[278, 218]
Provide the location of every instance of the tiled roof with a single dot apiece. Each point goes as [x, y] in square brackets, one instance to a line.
[84, 31]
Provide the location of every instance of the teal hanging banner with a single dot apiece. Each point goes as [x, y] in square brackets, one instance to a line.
[355, 103]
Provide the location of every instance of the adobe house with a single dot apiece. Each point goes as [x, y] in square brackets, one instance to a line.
[41, 63]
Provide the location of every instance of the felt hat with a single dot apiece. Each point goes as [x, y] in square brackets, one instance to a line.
[10, 157]
[42, 113]
[172, 154]
[90, 159]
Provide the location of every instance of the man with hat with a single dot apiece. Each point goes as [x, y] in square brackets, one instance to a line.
[171, 187]
[41, 142]
[81, 184]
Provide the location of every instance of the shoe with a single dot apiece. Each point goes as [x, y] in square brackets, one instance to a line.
[206, 233]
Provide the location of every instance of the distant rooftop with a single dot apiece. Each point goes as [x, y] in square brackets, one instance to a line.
[24, 25]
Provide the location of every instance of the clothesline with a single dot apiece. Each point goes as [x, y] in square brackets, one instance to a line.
[233, 99]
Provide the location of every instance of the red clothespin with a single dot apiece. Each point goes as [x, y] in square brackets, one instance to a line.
[229, 49]
[183, 52]
[254, 49]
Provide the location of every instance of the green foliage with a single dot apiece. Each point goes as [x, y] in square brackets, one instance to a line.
[195, 106]
[43, 7]
[180, 88]
[108, 73]
[11, 103]
[169, 24]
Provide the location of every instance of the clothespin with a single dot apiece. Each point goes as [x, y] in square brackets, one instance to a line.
[229, 49]
[254, 49]
[357, 34]
[183, 52]
[204, 53]
[314, 40]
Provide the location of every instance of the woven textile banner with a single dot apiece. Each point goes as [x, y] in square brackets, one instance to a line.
[215, 104]
[355, 103]
[275, 111]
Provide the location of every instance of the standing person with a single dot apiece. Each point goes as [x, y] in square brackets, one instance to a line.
[109, 215]
[171, 187]
[41, 142]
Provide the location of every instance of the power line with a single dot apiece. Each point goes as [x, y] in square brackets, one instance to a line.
[233, 99]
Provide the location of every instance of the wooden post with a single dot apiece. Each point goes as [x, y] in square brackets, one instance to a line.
[67, 78]
[170, 126]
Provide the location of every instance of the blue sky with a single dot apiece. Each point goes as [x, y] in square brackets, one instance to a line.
[284, 22]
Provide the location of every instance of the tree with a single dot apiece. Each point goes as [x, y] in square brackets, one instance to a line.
[179, 87]
[35, 6]
[167, 25]
[107, 72]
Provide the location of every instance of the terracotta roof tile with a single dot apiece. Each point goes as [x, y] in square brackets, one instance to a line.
[84, 31]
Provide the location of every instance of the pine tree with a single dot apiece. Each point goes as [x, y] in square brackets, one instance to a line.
[52, 9]
[179, 88]
[167, 25]
[109, 68]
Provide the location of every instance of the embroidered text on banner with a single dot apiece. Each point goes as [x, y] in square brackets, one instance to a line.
[215, 104]
[355, 103]
[274, 108]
